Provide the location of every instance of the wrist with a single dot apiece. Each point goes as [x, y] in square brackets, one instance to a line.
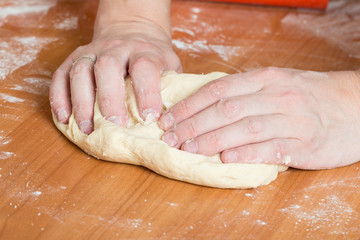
[133, 16]
[132, 30]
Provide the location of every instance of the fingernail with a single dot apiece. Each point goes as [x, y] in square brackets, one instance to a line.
[171, 139]
[62, 116]
[190, 146]
[150, 115]
[86, 126]
[231, 157]
[167, 121]
[115, 119]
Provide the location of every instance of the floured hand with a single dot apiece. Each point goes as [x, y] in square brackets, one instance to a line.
[123, 43]
[302, 119]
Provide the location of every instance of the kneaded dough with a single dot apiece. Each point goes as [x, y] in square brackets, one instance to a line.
[140, 142]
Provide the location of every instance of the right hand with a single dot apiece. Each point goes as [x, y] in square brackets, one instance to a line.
[141, 49]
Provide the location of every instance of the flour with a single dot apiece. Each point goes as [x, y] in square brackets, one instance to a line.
[202, 46]
[25, 9]
[329, 212]
[22, 8]
[6, 155]
[36, 193]
[4, 139]
[19, 51]
[340, 26]
[34, 85]
[69, 23]
[11, 99]
[173, 204]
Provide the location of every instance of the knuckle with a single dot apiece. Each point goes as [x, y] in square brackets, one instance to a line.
[104, 60]
[268, 73]
[213, 140]
[80, 67]
[247, 153]
[112, 43]
[281, 149]
[189, 128]
[254, 126]
[311, 140]
[271, 71]
[291, 97]
[140, 63]
[183, 108]
[217, 88]
[228, 107]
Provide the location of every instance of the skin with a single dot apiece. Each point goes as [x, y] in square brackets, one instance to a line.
[301, 119]
[130, 37]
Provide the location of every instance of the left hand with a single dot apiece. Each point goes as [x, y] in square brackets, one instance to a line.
[301, 119]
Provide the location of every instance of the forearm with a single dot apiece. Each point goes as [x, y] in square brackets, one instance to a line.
[117, 12]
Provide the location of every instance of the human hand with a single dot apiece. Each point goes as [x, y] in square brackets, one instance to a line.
[301, 119]
[140, 49]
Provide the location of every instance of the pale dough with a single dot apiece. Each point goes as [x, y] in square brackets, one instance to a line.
[140, 142]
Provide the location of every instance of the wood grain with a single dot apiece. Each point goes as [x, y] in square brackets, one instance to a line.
[51, 190]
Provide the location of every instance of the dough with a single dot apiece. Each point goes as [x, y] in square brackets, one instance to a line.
[140, 142]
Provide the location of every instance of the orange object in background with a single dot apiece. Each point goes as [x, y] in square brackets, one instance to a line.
[318, 4]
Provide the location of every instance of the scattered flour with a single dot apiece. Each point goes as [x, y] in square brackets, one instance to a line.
[69, 23]
[23, 8]
[11, 99]
[6, 155]
[19, 51]
[340, 26]
[202, 46]
[36, 193]
[38, 86]
[328, 213]
[173, 204]
[4, 139]
[260, 222]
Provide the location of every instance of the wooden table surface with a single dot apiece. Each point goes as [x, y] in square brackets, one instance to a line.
[50, 189]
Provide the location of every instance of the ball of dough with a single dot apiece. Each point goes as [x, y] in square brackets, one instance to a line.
[140, 143]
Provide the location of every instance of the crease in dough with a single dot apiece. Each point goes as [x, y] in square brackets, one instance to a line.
[140, 143]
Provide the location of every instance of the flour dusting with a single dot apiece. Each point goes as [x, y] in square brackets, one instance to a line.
[34, 85]
[6, 155]
[19, 51]
[21, 8]
[340, 26]
[11, 99]
[4, 139]
[68, 23]
[202, 46]
[329, 212]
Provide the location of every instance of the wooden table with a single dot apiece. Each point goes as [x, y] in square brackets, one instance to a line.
[49, 189]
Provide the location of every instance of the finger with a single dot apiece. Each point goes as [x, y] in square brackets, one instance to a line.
[218, 115]
[145, 70]
[109, 76]
[275, 151]
[82, 85]
[173, 62]
[249, 130]
[59, 92]
[228, 86]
